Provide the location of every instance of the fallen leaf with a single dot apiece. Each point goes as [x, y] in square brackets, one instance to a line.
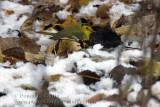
[101, 22]
[16, 47]
[45, 9]
[1, 58]
[15, 52]
[68, 22]
[122, 96]
[138, 63]
[128, 2]
[118, 23]
[26, 44]
[103, 9]
[139, 29]
[156, 55]
[98, 58]
[96, 98]
[47, 99]
[16, 77]
[114, 98]
[64, 47]
[34, 58]
[27, 87]
[8, 12]
[26, 27]
[89, 77]
[124, 30]
[20, 16]
[79, 2]
[56, 77]
[119, 72]
[140, 96]
[25, 2]
[11, 59]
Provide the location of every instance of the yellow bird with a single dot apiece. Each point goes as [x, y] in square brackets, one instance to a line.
[80, 31]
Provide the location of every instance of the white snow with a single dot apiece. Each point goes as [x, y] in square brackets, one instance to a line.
[90, 10]
[132, 97]
[27, 74]
[62, 14]
[63, 1]
[153, 103]
[156, 90]
[70, 89]
[11, 22]
[120, 9]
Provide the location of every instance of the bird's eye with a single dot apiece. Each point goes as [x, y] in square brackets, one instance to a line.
[86, 27]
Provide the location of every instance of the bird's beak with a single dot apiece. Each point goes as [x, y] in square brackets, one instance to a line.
[92, 31]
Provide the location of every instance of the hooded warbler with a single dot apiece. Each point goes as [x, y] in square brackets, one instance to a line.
[80, 31]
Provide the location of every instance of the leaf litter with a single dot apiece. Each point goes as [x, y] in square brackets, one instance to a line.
[76, 73]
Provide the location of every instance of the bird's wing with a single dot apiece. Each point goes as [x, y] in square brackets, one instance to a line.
[71, 31]
[46, 33]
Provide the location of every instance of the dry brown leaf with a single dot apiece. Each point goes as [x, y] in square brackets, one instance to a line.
[103, 9]
[51, 48]
[102, 22]
[122, 97]
[28, 87]
[20, 16]
[56, 77]
[89, 77]
[98, 58]
[115, 98]
[127, 2]
[119, 72]
[64, 47]
[26, 27]
[45, 98]
[15, 52]
[96, 98]
[11, 59]
[34, 58]
[8, 12]
[68, 22]
[16, 77]
[141, 27]
[16, 47]
[144, 26]
[140, 97]
[25, 2]
[118, 23]
[1, 58]
[123, 30]
[156, 55]
[74, 3]
[126, 20]
[45, 9]
[26, 44]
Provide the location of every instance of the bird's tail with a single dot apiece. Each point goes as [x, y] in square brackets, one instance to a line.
[45, 33]
[54, 35]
